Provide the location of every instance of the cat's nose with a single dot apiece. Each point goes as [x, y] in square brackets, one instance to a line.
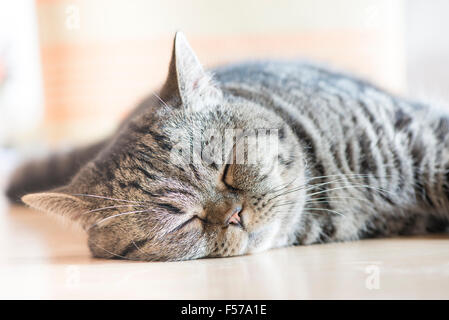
[234, 216]
[225, 213]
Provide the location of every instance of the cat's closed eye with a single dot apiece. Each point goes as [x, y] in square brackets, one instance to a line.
[228, 178]
[191, 223]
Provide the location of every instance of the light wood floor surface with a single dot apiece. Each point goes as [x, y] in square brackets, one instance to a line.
[42, 259]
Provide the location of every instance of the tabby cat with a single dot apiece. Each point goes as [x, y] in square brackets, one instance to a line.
[348, 161]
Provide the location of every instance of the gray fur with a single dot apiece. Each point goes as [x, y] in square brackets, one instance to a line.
[353, 162]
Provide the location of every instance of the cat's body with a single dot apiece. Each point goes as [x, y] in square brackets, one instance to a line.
[352, 161]
[394, 153]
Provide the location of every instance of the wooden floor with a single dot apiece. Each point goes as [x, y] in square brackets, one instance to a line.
[42, 259]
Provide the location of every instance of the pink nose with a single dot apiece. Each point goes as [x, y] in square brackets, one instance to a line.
[235, 216]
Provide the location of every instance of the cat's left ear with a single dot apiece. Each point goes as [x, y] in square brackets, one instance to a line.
[59, 204]
[187, 80]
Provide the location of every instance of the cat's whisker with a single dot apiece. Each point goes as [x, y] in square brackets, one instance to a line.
[112, 253]
[160, 99]
[326, 210]
[118, 215]
[305, 187]
[341, 177]
[105, 198]
[320, 185]
[331, 189]
[114, 207]
[332, 198]
[321, 200]
[325, 201]
[281, 190]
[350, 186]
[282, 204]
[115, 254]
[284, 185]
[138, 248]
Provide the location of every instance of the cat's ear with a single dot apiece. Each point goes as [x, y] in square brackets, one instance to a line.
[58, 203]
[187, 80]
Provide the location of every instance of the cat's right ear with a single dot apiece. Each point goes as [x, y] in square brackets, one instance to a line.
[187, 81]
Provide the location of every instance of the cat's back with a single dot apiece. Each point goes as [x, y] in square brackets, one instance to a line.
[296, 88]
[282, 76]
[301, 84]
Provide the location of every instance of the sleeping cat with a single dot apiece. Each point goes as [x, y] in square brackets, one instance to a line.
[347, 161]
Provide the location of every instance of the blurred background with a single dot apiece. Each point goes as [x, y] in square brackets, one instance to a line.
[71, 69]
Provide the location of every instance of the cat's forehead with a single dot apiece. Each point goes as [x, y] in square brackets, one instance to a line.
[221, 117]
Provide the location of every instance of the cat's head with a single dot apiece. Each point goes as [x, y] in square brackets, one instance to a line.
[199, 173]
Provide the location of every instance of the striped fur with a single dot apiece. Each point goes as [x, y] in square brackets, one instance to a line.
[353, 161]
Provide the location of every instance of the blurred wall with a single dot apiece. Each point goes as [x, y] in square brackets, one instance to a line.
[428, 50]
[21, 101]
[100, 57]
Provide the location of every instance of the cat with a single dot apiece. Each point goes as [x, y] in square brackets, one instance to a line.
[348, 161]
